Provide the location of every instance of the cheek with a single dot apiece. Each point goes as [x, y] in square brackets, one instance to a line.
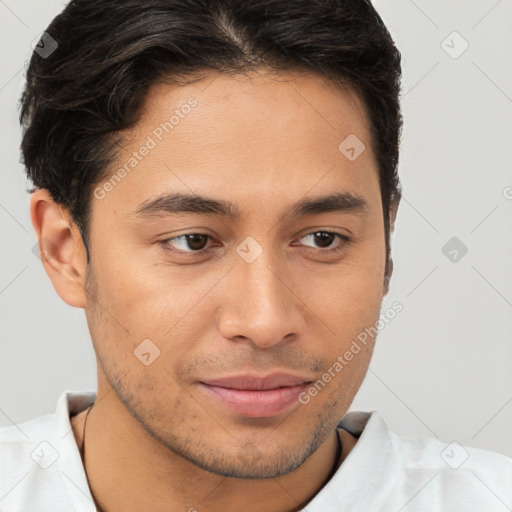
[130, 282]
[348, 302]
[141, 302]
[349, 293]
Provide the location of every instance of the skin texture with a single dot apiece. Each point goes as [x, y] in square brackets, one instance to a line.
[262, 142]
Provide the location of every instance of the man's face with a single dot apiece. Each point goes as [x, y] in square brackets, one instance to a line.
[247, 297]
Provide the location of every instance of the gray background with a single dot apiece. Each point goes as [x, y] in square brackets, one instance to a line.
[443, 367]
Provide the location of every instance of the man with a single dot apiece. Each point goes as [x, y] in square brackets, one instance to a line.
[215, 185]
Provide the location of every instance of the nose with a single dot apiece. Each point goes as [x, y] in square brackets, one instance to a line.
[263, 303]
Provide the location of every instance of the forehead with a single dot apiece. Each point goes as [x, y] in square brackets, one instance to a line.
[249, 137]
[261, 96]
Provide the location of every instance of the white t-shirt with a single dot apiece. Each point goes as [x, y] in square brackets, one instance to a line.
[41, 470]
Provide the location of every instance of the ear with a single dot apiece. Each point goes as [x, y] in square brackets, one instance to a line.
[393, 209]
[62, 251]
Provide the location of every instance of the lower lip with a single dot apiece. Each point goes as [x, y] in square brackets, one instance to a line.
[256, 403]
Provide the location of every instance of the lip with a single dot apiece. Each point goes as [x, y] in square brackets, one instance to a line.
[256, 396]
[248, 382]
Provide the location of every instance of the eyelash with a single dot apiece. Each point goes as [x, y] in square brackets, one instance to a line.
[346, 241]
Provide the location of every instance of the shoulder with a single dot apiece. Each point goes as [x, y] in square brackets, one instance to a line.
[27, 461]
[18, 442]
[455, 461]
[454, 474]
[424, 472]
[40, 465]
[423, 452]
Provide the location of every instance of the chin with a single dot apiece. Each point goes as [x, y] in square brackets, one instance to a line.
[243, 468]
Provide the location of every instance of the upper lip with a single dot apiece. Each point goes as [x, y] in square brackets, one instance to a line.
[255, 382]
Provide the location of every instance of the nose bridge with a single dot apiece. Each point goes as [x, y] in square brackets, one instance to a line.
[263, 306]
[261, 276]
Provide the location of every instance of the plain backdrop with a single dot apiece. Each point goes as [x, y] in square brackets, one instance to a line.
[443, 367]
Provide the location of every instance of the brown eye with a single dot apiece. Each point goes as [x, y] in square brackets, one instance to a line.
[189, 243]
[324, 239]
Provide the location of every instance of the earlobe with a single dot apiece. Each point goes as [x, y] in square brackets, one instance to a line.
[61, 248]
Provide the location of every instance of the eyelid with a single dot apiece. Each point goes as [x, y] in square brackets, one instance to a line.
[166, 245]
[345, 240]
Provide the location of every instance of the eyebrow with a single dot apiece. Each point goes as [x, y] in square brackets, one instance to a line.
[173, 203]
